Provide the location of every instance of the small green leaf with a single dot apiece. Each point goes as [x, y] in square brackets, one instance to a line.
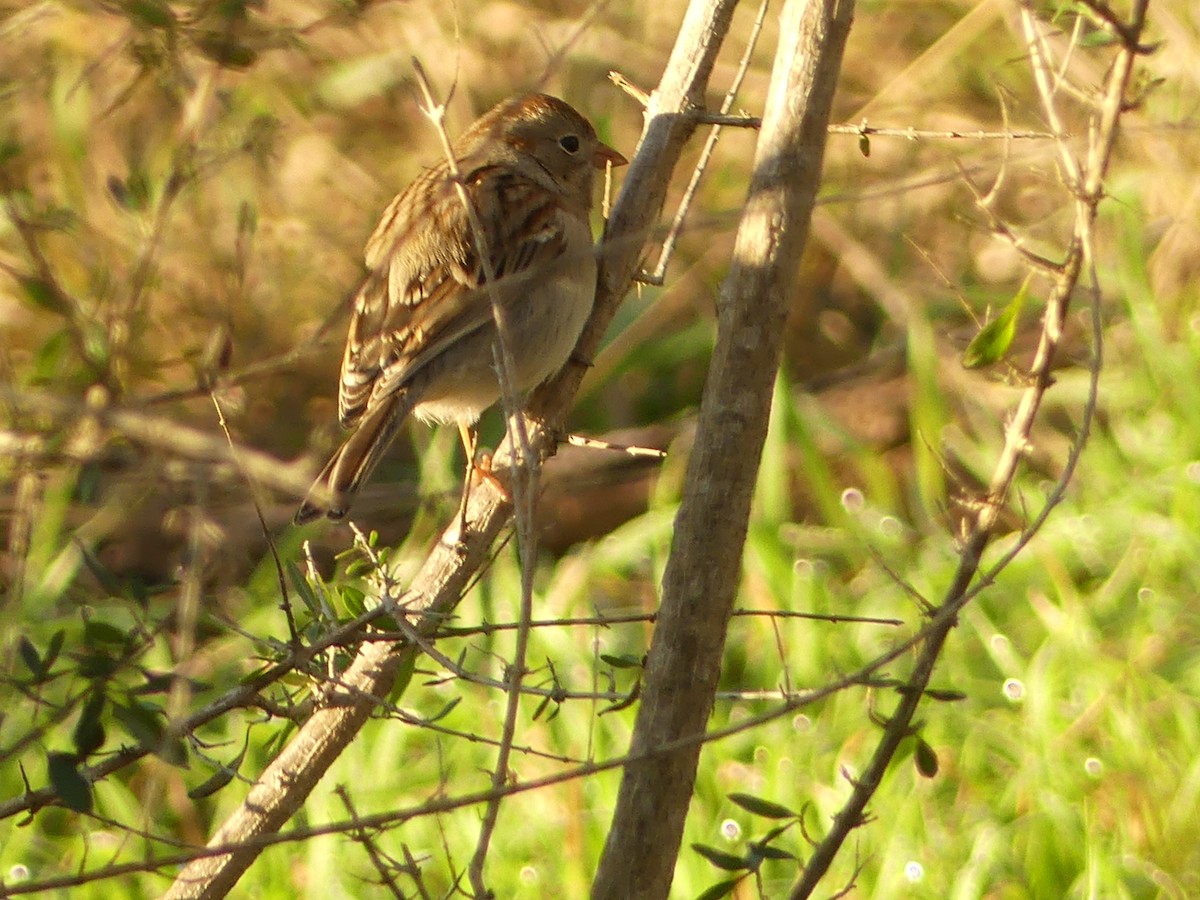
[721, 889]
[354, 601]
[50, 359]
[404, 676]
[1097, 39]
[768, 852]
[10, 149]
[56, 645]
[221, 777]
[926, 759]
[996, 337]
[445, 710]
[72, 788]
[721, 859]
[761, 807]
[864, 145]
[775, 832]
[303, 588]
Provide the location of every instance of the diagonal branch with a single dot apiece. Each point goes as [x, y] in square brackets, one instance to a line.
[282, 789]
[1084, 182]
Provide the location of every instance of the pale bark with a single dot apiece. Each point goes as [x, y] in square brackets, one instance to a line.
[702, 576]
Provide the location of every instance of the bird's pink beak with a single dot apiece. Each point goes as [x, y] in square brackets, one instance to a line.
[605, 154]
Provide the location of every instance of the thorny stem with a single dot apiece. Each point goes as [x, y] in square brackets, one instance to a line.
[1086, 187]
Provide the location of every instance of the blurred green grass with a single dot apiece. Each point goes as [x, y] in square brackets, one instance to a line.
[1072, 767]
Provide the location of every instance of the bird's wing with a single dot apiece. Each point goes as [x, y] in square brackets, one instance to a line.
[425, 288]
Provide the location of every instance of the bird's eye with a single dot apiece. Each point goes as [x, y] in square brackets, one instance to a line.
[570, 143]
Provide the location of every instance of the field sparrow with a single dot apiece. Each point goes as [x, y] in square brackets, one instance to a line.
[422, 332]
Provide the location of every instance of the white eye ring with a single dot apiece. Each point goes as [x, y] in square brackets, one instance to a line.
[569, 143]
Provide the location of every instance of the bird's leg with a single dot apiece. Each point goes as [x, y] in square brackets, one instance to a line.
[482, 468]
[470, 441]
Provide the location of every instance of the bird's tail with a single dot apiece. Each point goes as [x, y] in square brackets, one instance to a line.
[349, 468]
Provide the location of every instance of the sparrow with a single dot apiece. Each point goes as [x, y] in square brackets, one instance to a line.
[422, 332]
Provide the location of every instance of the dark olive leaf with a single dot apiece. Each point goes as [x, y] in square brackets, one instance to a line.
[56, 645]
[96, 664]
[721, 889]
[88, 736]
[444, 711]
[221, 777]
[1098, 39]
[948, 696]
[303, 588]
[926, 759]
[625, 702]
[722, 860]
[110, 582]
[403, 678]
[212, 784]
[143, 723]
[761, 807]
[775, 832]
[51, 357]
[32, 660]
[97, 632]
[72, 788]
[864, 145]
[768, 852]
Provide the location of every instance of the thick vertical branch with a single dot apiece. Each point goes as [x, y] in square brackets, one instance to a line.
[704, 570]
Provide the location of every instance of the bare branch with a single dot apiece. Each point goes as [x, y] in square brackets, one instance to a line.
[702, 575]
[437, 587]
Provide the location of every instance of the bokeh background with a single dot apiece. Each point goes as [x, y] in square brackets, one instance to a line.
[200, 179]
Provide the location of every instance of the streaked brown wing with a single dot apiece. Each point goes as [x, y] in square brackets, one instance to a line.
[423, 291]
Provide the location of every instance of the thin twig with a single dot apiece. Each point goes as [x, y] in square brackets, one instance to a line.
[523, 487]
[658, 276]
